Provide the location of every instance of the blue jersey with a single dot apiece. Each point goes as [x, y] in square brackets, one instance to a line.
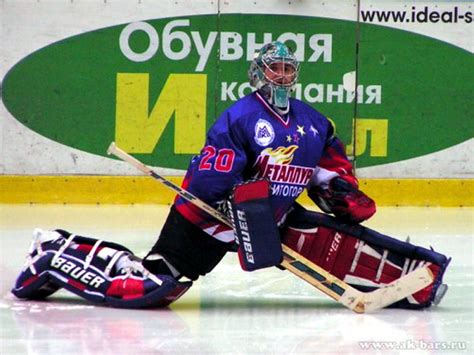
[252, 140]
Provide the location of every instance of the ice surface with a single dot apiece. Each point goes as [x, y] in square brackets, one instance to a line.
[231, 311]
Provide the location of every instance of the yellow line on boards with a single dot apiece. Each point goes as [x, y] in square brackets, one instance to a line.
[144, 190]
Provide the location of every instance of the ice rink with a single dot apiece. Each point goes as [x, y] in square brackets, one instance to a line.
[231, 311]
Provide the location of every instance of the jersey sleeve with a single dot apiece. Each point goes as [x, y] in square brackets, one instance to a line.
[334, 158]
[213, 173]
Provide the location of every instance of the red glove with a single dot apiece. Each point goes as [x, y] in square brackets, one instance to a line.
[344, 200]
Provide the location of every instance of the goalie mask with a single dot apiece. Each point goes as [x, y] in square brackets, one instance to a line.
[274, 72]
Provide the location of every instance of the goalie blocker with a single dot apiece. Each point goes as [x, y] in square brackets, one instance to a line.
[256, 232]
[362, 257]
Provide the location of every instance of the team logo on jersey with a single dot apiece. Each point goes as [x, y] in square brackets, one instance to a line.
[264, 133]
[275, 164]
[280, 155]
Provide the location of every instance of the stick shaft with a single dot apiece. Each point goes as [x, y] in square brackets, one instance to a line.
[119, 153]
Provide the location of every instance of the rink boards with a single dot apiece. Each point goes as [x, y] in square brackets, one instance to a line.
[142, 189]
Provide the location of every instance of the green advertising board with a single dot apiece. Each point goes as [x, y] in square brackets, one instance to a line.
[156, 86]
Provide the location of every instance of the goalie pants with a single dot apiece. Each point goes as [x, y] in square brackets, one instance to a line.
[188, 248]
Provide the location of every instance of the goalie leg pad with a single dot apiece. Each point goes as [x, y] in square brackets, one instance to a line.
[254, 226]
[87, 267]
[362, 257]
[34, 281]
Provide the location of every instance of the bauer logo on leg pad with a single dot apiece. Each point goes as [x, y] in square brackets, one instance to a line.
[75, 271]
[254, 226]
[244, 231]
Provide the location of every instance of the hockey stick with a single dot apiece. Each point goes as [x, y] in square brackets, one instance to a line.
[335, 288]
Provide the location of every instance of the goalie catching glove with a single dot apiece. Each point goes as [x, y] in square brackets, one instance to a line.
[343, 200]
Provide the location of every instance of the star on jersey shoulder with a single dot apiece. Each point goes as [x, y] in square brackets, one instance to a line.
[288, 138]
[300, 130]
[313, 130]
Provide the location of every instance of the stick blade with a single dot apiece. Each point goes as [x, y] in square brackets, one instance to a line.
[398, 289]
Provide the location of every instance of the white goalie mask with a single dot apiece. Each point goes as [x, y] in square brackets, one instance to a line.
[274, 73]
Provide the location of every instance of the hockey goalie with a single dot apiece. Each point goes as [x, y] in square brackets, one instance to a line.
[259, 156]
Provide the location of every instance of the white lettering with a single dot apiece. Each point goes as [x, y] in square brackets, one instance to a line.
[350, 95]
[334, 245]
[312, 93]
[250, 258]
[253, 46]
[247, 247]
[298, 40]
[243, 224]
[319, 97]
[178, 44]
[297, 91]
[169, 37]
[240, 214]
[152, 45]
[87, 277]
[97, 281]
[321, 44]
[245, 89]
[204, 50]
[57, 262]
[374, 93]
[245, 235]
[68, 266]
[285, 190]
[230, 48]
[77, 272]
[227, 91]
[339, 93]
